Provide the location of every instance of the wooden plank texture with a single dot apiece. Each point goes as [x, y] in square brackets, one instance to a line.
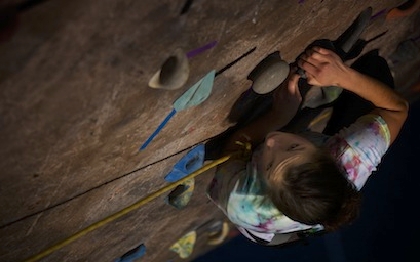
[75, 108]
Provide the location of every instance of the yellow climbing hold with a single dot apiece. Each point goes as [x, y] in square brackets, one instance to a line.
[185, 245]
[216, 238]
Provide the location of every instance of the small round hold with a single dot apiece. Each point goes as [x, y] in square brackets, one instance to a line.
[173, 73]
[270, 76]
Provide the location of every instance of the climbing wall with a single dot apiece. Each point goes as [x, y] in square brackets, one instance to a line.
[76, 107]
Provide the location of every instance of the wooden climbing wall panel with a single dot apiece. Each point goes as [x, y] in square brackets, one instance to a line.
[76, 106]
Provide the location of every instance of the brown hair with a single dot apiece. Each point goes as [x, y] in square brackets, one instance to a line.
[314, 192]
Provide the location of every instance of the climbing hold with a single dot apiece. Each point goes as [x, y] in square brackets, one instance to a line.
[181, 195]
[133, 254]
[217, 233]
[378, 14]
[185, 245]
[192, 161]
[175, 70]
[405, 9]
[197, 93]
[269, 73]
[201, 49]
[193, 96]
[173, 73]
[347, 39]
[317, 96]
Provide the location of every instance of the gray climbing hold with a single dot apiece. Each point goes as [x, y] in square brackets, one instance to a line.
[173, 73]
[269, 73]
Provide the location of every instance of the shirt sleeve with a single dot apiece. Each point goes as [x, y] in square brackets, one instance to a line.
[360, 147]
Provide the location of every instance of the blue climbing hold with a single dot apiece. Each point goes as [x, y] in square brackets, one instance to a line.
[191, 162]
[133, 254]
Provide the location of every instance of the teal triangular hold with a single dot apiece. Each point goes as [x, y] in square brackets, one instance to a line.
[197, 93]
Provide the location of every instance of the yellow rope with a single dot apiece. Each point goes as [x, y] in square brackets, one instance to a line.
[126, 210]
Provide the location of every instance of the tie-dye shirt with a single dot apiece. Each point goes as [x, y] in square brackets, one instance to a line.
[238, 191]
